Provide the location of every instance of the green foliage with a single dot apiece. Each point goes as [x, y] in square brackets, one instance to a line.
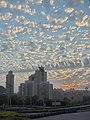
[66, 101]
[8, 115]
[3, 99]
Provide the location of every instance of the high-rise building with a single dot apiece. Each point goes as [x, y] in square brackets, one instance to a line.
[37, 85]
[10, 83]
[40, 75]
[31, 88]
[45, 90]
[22, 89]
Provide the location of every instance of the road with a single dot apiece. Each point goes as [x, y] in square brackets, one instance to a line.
[72, 116]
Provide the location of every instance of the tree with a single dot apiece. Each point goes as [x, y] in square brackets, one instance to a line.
[66, 101]
[3, 99]
[35, 100]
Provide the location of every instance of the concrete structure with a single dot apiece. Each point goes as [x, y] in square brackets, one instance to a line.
[22, 89]
[10, 83]
[37, 85]
[31, 88]
[40, 75]
[45, 90]
[70, 116]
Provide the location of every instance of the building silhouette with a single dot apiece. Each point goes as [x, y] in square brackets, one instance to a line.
[38, 85]
[10, 83]
[45, 90]
[40, 75]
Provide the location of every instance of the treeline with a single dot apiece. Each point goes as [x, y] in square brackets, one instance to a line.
[35, 101]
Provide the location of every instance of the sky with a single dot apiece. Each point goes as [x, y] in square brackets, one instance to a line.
[51, 33]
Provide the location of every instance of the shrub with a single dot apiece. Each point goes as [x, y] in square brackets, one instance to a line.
[8, 115]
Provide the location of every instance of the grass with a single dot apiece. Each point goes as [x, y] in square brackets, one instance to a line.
[9, 115]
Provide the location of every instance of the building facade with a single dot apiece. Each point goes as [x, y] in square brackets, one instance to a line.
[40, 75]
[37, 85]
[45, 90]
[22, 89]
[10, 83]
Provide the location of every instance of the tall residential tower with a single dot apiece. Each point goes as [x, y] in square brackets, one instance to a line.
[10, 83]
[38, 85]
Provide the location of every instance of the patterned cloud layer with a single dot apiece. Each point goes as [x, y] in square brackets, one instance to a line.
[52, 33]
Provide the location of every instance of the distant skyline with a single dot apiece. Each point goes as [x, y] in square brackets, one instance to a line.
[46, 32]
[64, 78]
